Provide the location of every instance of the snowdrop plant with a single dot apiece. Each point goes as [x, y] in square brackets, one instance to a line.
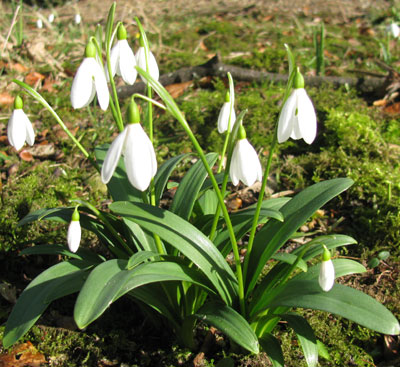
[19, 128]
[74, 232]
[174, 260]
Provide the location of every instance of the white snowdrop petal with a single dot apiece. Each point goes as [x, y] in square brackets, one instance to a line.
[112, 157]
[153, 66]
[306, 117]
[16, 130]
[74, 235]
[114, 59]
[326, 277]
[127, 63]
[82, 90]
[141, 62]
[223, 118]
[233, 168]
[100, 82]
[285, 123]
[30, 133]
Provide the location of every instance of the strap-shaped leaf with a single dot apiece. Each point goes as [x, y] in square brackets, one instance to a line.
[306, 337]
[109, 281]
[187, 239]
[56, 282]
[272, 347]
[290, 259]
[230, 323]
[119, 186]
[340, 300]
[274, 234]
[163, 173]
[190, 186]
[264, 292]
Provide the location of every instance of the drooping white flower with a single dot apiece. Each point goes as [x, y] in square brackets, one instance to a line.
[39, 24]
[151, 61]
[74, 232]
[326, 277]
[77, 19]
[297, 119]
[393, 29]
[19, 128]
[51, 18]
[122, 58]
[245, 165]
[223, 117]
[89, 80]
[137, 149]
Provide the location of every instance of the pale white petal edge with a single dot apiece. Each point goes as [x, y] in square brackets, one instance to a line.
[307, 118]
[285, 123]
[16, 130]
[74, 235]
[326, 277]
[82, 90]
[127, 63]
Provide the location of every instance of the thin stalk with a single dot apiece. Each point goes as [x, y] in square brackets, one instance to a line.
[44, 103]
[259, 204]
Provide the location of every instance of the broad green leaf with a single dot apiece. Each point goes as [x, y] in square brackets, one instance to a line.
[58, 281]
[272, 347]
[187, 239]
[108, 282]
[142, 240]
[263, 294]
[340, 300]
[57, 249]
[119, 186]
[306, 337]
[164, 172]
[190, 186]
[290, 259]
[274, 234]
[140, 257]
[230, 323]
[323, 351]
[208, 203]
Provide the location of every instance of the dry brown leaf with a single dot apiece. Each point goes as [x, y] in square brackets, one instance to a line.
[6, 98]
[17, 67]
[203, 46]
[26, 156]
[392, 109]
[34, 78]
[41, 150]
[176, 90]
[49, 84]
[380, 103]
[23, 355]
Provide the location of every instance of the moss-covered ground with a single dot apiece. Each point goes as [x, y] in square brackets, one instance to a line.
[356, 139]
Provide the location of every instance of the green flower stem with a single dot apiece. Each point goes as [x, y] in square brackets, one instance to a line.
[44, 103]
[138, 95]
[259, 203]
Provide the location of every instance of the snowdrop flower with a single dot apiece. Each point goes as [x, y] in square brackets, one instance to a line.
[393, 29]
[137, 149]
[245, 165]
[89, 80]
[122, 59]
[297, 119]
[39, 24]
[223, 118]
[327, 271]
[74, 232]
[19, 127]
[77, 19]
[51, 18]
[152, 68]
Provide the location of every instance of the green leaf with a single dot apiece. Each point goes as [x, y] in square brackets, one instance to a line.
[119, 186]
[208, 203]
[140, 257]
[57, 249]
[373, 263]
[274, 234]
[384, 255]
[164, 172]
[109, 281]
[273, 349]
[56, 282]
[290, 259]
[323, 351]
[340, 300]
[187, 239]
[306, 337]
[230, 323]
[190, 186]
[142, 240]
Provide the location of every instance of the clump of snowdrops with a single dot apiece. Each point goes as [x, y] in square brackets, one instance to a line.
[174, 260]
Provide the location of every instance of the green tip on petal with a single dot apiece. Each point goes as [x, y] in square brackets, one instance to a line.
[298, 80]
[18, 104]
[90, 50]
[227, 97]
[75, 215]
[326, 255]
[121, 33]
[133, 114]
[241, 133]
